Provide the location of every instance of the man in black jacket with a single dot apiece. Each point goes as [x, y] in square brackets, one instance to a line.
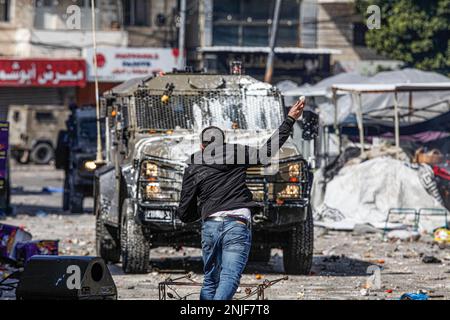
[214, 190]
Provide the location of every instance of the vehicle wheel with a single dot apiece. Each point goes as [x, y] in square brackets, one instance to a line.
[72, 197]
[42, 153]
[107, 243]
[298, 253]
[135, 246]
[259, 253]
[76, 202]
[22, 157]
[66, 193]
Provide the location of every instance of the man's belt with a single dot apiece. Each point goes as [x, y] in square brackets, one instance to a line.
[229, 218]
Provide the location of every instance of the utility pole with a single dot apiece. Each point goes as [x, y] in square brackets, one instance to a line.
[273, 37]
[99, 157]
[181, 35]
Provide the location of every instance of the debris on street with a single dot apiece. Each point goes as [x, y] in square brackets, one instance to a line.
[431, 259]
[414, 296]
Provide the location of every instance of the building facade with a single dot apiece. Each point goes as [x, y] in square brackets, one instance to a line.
[60, 30]
[314, 39]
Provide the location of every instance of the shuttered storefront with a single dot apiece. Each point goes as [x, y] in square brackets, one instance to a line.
[33, 96]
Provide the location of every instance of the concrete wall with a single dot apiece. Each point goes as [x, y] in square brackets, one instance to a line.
[27, 36]
[154, 35]
[335, 30]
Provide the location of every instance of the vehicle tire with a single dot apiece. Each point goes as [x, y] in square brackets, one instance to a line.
[298, 253]
[106, 242]
[135, 246]
[72, 197]
[22, 156]
[259, 253]
[66, 193]
[42, 153]
[76, 202]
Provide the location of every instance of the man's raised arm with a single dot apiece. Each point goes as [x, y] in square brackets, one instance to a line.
[275, 142]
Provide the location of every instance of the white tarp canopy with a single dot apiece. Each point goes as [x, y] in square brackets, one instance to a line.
[323, 88]
[377, 99]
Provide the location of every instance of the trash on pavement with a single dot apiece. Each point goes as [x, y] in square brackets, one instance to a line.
[431, 259]
[9, 237]
[403, 235]
[442, 236]
[17, 247]
[25, 250]
[414, 296]
[364, 292]
[41, 213]
[52, 190]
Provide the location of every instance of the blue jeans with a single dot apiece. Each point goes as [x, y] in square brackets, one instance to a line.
[226, 246]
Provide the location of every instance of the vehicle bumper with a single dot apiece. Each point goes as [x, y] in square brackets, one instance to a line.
[267, 217]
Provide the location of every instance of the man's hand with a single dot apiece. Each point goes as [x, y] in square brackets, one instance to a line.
[297, 109]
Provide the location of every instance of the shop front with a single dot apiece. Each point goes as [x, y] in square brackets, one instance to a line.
[39, 82]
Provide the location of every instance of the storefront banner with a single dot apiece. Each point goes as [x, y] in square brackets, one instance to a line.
[42, 72]
[122, 64]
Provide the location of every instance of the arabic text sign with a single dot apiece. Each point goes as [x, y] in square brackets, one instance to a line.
[42, 73]
[121, 64]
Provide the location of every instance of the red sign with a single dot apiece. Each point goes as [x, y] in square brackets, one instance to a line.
[42, 73]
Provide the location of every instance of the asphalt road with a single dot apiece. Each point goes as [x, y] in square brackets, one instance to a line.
[339, 271]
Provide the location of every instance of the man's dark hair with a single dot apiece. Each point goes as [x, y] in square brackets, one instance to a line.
[212, 135]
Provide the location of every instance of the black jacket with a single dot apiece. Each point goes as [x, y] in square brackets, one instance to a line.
[215, 181]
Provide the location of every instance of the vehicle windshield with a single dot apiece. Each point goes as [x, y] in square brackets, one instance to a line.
[87, 131]
[227, 111]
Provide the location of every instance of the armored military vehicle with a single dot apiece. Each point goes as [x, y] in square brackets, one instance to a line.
[75, 154]
[35, 133]
[153, 126]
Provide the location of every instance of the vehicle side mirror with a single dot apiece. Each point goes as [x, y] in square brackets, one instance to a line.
[310, 125]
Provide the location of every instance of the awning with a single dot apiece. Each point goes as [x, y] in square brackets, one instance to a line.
[292, 50]
[400, 87]
[357, 90]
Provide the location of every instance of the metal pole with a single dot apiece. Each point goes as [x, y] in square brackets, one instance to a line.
[360, 124]
[410, 107]
[336, 124]
[181, 35]
[273, 36]
[396, 120]
[99, 158]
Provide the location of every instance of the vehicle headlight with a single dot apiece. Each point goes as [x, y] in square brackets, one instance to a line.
[158, 191]
[152, 191]
[159, 182]
[294, 172]
[291, 191]
[90, 165]
[150, 169]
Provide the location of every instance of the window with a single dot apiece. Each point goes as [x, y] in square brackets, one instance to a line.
[359, 34]
[255, 36]
[249, 22]
[56, 3]
[136, 12]
[226, 36]
[42, 116]
[4, 10]
[16, 116]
